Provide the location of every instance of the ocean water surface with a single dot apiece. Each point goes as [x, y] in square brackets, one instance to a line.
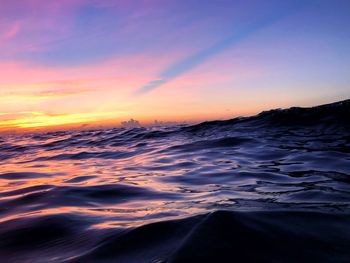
[270, 188]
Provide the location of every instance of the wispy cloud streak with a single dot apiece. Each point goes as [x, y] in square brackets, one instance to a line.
[183, 66]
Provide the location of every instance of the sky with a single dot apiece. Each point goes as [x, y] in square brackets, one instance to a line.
[89, 62]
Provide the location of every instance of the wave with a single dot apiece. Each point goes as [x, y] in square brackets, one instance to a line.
[220, 236]
[268, 188]
[333, 114]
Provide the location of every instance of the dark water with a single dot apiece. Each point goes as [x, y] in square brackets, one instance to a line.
[269, 188]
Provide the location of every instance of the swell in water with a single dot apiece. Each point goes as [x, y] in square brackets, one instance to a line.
[274, 187]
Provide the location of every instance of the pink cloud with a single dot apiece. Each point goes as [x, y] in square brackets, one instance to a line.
[122, 74]
[37, 26]
[11, 32]
[32, 24]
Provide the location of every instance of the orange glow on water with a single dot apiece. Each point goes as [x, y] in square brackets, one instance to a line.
[64, 180]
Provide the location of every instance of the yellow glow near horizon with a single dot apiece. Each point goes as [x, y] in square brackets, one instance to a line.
[11, 99]
[104, 94]
[39, 119]
[76, 64]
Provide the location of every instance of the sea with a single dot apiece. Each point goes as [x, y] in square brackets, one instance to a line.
[274, 187]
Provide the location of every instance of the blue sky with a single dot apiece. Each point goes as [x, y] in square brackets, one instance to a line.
[184, 59]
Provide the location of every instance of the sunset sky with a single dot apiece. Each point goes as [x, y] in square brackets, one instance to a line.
[86, 61]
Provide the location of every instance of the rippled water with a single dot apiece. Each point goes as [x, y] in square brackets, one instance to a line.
[63, 193]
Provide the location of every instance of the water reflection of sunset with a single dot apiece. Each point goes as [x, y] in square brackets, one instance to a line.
[47, 176]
